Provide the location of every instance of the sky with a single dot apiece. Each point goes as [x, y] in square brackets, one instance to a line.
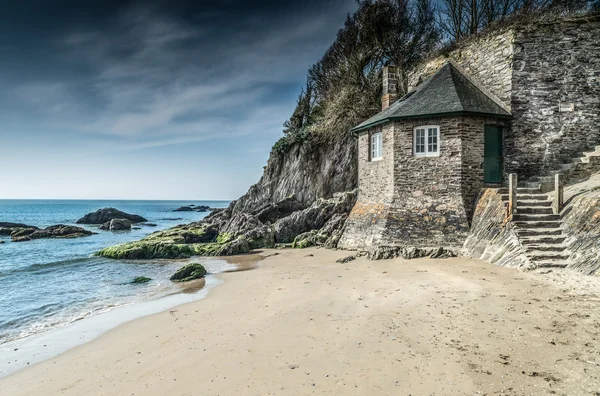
[151, 99]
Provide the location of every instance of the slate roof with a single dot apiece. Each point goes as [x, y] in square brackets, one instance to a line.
[447, 92]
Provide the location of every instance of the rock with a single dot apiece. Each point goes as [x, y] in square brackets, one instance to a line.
[189, 272]
[55, 231]
[195, 239]
[184, 209]
[1, 242]
[314, 217]
[346, 259]
[6, 229]
[273, 212]
[151, 224]
[140, 279]
[409, 252]
[193, 208]
[102, 216]
[233, 248]
[117, 225]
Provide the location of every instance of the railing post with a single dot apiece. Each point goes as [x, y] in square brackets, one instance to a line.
[559, 194]
[512, 194]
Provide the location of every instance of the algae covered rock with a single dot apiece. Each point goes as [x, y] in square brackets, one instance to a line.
[140, 279]
[189, 272]
[145, 249]
[101, 216]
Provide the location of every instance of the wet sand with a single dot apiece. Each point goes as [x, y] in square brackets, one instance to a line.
[302, 324]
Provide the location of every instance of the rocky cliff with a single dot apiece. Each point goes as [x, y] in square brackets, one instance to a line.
[308, 170]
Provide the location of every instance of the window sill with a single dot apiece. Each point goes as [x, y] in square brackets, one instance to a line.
[376, 159]
[426, 155]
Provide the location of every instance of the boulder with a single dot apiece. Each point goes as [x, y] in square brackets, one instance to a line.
[116, 225]
[235, 247]
[102, 216]
[189, 272]
[150, 224]
[55, 231]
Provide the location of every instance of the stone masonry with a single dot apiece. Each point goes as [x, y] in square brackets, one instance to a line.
[547, 74]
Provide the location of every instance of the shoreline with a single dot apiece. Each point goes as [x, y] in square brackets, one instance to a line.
[29, 351]
[304, 324]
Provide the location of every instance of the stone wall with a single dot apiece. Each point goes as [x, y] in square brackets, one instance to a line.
[554, 63]
[492, 237]
[367, 220]
[486, 58]
[419, 201]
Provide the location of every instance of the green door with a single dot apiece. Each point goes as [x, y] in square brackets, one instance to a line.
[493, 161]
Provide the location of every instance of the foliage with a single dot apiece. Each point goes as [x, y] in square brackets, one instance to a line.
[459, 19]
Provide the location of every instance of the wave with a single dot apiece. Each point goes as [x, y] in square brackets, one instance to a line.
[50, 266]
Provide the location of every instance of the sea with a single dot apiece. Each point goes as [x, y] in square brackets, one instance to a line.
[47, 284]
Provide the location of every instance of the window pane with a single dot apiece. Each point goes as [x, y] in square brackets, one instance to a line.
[376, 145]
[420, 141]
[433, 140]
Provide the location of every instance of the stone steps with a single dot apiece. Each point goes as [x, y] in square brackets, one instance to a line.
[535, 217]
[538, 210]
[551, 264]
[529, 224]
[532, 203]
[539, 231]
[542, 239]
[543, 255]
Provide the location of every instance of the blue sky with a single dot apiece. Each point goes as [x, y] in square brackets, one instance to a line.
[150, 100]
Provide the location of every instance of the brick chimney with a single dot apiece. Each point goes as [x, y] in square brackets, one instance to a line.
[390, 86]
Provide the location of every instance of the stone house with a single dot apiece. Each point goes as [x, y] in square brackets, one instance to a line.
[520, 99]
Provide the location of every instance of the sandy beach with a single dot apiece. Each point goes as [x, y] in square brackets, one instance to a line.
[303, 324]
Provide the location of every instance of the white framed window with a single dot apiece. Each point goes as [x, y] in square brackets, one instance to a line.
[427, 141]
[376, 146]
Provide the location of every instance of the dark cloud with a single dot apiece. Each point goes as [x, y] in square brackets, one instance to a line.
[134, 68]
[153, 79]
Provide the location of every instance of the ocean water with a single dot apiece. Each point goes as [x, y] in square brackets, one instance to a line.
[51, 283]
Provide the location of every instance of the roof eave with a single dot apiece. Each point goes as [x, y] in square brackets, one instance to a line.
[358, 129]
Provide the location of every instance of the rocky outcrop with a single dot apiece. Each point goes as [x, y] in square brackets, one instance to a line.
[193, 208]
[328, 236]
[272, 212]
[7, 229]
[308, 171]
[410, 252]
[116, 225]
[55, 231]
[184, 241]
[492, 237]
[102, 216]
[314, 217]
[227, 232]
[189, 272]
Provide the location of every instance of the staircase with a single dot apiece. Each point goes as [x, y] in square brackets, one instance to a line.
[578, 169]
[538, 229]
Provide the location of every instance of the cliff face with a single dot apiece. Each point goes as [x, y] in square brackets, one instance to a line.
[309, 170]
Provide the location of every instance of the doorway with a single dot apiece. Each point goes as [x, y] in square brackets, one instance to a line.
[493, 162]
